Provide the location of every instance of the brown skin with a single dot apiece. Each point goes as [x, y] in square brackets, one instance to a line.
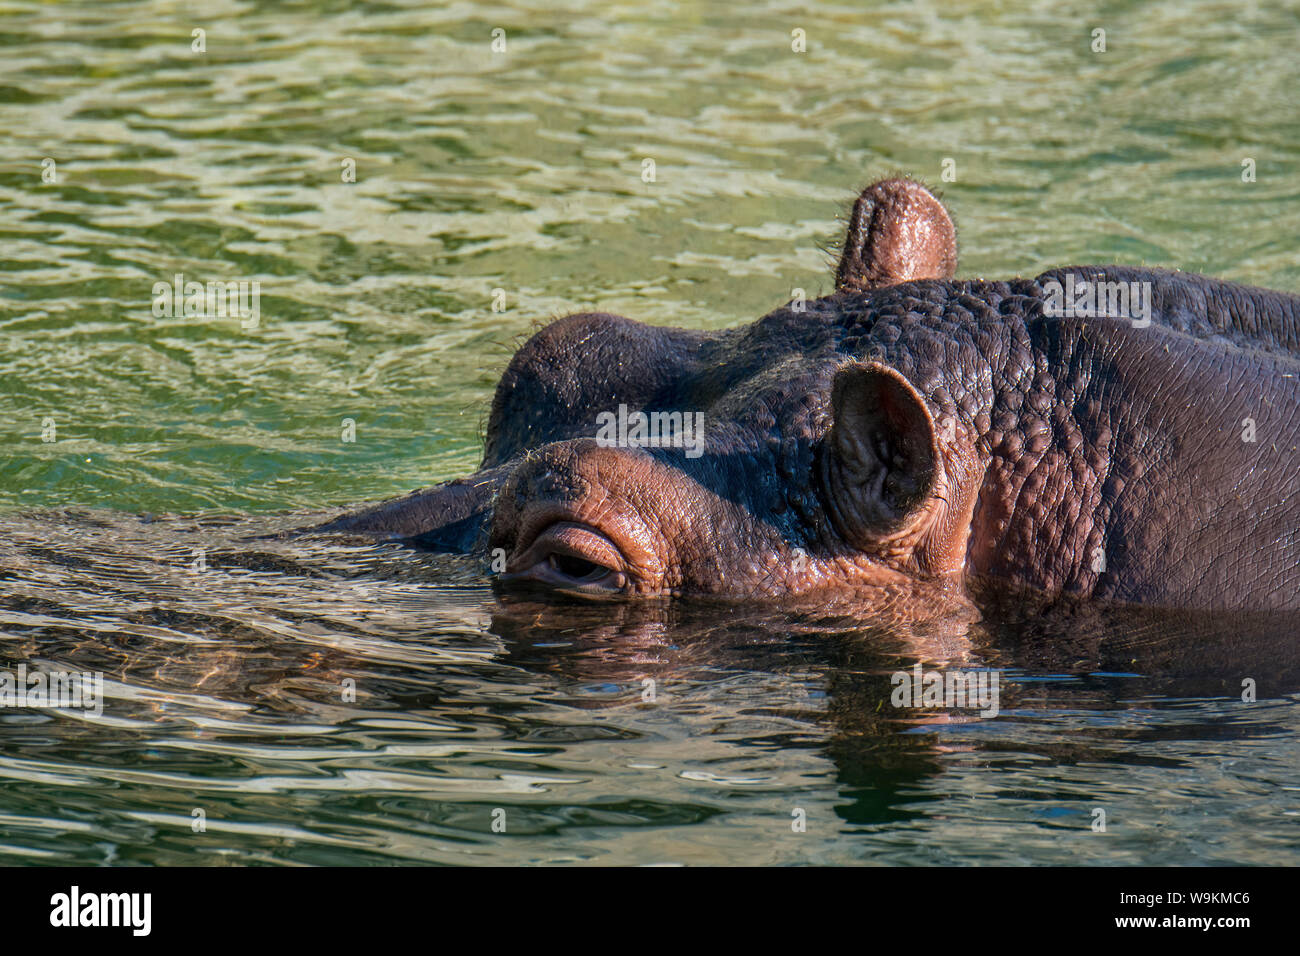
[901, 442]
[898, 231]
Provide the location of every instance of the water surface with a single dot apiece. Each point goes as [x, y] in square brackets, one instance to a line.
[522, 172]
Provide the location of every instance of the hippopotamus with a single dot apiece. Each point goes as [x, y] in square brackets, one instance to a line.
[1110, 433]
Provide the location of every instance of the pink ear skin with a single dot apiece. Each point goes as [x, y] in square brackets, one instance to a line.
[898, 487]
[898, 232]
[882, 449]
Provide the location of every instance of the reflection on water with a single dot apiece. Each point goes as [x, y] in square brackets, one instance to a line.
[226, 653]
[652, 732]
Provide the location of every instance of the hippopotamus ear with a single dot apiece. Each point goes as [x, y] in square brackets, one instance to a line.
[882, 453]
[899, 231]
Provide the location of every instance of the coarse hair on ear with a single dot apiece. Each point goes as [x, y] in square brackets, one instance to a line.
[898, 232]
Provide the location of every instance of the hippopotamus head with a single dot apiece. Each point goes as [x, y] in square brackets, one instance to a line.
[650, 460]
[900, 432]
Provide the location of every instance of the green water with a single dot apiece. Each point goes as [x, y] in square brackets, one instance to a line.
[521, 171]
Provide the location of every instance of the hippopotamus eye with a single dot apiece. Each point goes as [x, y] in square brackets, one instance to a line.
[578, 568]
[571, 557]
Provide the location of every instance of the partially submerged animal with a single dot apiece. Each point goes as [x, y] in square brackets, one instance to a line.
[1126, 434]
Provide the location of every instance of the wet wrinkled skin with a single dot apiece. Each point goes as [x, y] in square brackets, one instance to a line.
[902, 443]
